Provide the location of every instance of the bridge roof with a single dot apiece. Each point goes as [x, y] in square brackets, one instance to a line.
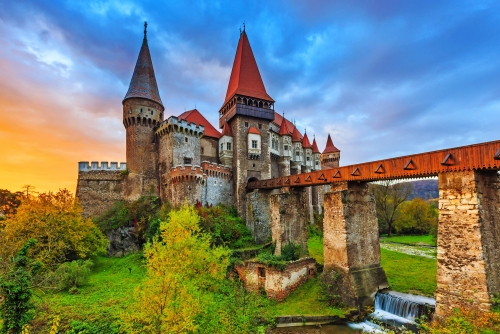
[472, 157]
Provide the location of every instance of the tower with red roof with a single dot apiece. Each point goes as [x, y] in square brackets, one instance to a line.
[247, 111]
[331, 155]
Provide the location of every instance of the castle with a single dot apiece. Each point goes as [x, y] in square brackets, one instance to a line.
[185, 158]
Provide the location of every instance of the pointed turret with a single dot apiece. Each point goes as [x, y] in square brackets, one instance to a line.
[143, 83]
[296, 136]
[305, 142]
[284, 128]
[330, 148]
[245, 76]
[315, 147]
[226, 130]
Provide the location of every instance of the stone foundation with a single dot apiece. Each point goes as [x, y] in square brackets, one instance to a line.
[468, 257]
[258, 219]
[275, 282]
[351, 241]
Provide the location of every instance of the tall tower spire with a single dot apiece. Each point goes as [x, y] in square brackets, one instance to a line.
[143, 83]
[142, 112]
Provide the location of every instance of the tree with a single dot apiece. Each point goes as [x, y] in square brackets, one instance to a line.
[416, 217]
[55, 220]
[9, 202]
[388, 197]
[15, 287]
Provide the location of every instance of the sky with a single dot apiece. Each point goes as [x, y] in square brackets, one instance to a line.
[384, 78]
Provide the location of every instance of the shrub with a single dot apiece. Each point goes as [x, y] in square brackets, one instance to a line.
[17, 310]
[73, 274]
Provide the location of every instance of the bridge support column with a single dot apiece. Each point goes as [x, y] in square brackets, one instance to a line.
[468, 255]
[351, 243]
[258, 218]
[289, 219]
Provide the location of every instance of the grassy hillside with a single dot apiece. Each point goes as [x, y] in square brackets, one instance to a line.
[108, 292]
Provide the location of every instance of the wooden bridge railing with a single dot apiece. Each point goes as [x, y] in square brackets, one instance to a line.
[471, 157]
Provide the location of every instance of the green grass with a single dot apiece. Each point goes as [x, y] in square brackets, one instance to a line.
[408, 273]
[405, 273]
[315, 245]
[411, 239]
[108, 293]
[308, 299]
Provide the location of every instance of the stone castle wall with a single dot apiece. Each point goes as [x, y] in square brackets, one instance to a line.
[219, 184]
[209, 149]
[243, 167]
[97, 190]
[258, 213]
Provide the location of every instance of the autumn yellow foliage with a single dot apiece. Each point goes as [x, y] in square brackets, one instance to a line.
[55, 221]
[181, 267]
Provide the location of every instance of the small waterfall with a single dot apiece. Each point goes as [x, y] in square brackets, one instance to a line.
[396, 309]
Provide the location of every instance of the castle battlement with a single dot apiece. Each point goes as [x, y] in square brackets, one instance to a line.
[216, 170]
[179, 125]
[84, 166]
[187, 173]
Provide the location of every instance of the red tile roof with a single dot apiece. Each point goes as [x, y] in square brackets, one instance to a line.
[226, 130]
[278, 120]
[330, 148]
[143, 83]
[245, 76]
[254, 130]
[196, 117]
[296, 136]
[315, 146]
[305, 142]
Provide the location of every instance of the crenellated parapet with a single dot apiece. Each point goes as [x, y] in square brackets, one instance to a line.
[84, 166]
[187, 173]
[173, 124]
[215, 170]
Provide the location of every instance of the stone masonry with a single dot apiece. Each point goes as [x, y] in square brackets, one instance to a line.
[289, 219]
[351, 241]
[468, 240]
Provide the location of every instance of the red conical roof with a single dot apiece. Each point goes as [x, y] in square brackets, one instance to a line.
[296, 136]
[315, 146]
[194, 116]
[143, 83]
[330, 148]
[305, 142]
[226, 130]
[254, 130]
[245, 76]
[284, 129]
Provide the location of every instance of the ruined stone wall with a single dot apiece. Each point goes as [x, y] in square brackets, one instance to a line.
[209, 149]
[468, 240]
[243, 167]
[258, 219]
[97, 191]
[276, 282]
[289, 219]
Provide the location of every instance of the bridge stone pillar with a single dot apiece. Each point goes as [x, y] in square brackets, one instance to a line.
[289, 219]
[351, 243]
[258, 215]
[468, 254]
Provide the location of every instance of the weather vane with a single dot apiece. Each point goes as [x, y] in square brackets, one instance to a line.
[243, 26]
[145, 27]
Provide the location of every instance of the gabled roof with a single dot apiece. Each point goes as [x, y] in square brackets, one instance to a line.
[196, 117]
[330, 148]
[143, 83]
[226, 130]
[245, 76]
[305, 142]
[296, 136]
[315, 146]
[254, 130]
[284, 129]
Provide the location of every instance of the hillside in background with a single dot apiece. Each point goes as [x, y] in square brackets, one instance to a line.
[425, 189]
